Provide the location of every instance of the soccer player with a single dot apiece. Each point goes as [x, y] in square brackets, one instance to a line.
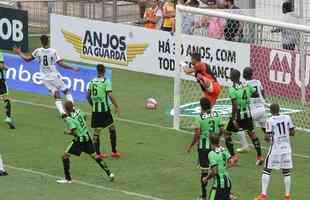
[279, 128]
[4, 94]
[2, 170]
[98, 95]
[219, 157]
[241, 119]
[82, 142]
[257, 106]
[51, 78]
[206, 79]
[207, 123]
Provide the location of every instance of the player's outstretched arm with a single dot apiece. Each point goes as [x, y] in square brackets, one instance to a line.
[194, 141]
[88, 97]
[65, 66]
[114, 102]
[25, 57]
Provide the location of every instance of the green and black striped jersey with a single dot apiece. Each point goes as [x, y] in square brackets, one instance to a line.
[98, 89]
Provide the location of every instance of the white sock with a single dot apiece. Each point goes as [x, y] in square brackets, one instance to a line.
[287, 184]
[243, 140]
[69, 97]
[265, 182]
[1, 164]
[59, 106]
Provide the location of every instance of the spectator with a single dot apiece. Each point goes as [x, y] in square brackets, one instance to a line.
[233, 29]
[142, 7]
[153, 17]
[188, 19]
[169, 16]
[216, 26]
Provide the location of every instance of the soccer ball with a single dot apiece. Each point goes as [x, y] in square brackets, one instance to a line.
[151, 103]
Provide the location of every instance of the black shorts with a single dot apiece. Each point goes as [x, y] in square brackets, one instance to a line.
[203, 158]
[101, 119]
[220, 194]
[76, 147]
[244, 124]
[3, 88]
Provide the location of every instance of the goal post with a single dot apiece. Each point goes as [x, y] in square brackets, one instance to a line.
[276, 49]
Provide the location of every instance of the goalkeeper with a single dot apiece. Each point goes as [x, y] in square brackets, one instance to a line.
[206, 79]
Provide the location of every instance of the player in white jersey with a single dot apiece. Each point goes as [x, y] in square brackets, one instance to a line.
[279, 128]
[257, 107]
[51, 78]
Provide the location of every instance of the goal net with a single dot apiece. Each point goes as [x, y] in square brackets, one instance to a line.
[275, 46]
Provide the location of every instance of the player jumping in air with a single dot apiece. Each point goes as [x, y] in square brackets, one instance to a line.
[219, 158]
[51, 78]
[279, 128]
[257, 107]
[241, 119]
[206, 79]
[4, 94]
[98, 96]
[207, 123]
[82, 142]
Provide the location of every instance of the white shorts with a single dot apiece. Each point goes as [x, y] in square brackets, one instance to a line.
[259, 115]
[55, 85]
[279, 161]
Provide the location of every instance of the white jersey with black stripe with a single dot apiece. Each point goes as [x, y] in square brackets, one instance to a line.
[258, 101]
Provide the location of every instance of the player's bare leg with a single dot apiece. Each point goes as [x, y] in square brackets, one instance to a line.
[66, 166]
[230, 146]
[112, 131]
[99, 154]
[245, 147]
[58, 102]
[68, 95]
[103, 166]
[287, 183]
[7, 111]
[257, 146]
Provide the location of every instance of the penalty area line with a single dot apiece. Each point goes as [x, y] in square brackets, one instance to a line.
[79, 182]
[139, 123]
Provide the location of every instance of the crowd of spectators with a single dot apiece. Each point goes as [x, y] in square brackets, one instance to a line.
[160, 15]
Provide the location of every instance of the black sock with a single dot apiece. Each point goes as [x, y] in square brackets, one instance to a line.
[103, 166]
[97, 144]
[113, 139]
[230, 145]
[7, 107]
[203, 185]
[66, 164]
[257, 146]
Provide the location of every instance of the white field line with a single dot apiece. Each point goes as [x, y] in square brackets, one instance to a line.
[138, 123]
[143, 196]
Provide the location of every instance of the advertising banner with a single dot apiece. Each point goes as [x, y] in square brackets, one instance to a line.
[13, 28]
[25, 76]
[139, 49]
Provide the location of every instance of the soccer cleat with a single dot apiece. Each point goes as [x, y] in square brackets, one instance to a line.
[287, 198]
[64, 181]
[116, 154]
[259, 160]
[111, 177]
[102, 155]
[9, 121]
[243, 149]
[3, 173]
[261, 197]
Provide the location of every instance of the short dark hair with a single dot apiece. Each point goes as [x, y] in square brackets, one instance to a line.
[69, 107]
[100, 69]
[275, 108]
[44, 40]
[205, 103]
[196, 56]
[248, 73]
[235, 75]
[214, 139]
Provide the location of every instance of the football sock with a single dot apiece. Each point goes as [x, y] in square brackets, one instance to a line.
[113, 139]
[103, 166]
[257, 146]
[97, 143]
[66, 164]
[265, 181]
[287, 182]
[7, 108]
[69, 97]
[203, 185]
[243, 140]
[59, 106]
[1, 164]
[230, 145]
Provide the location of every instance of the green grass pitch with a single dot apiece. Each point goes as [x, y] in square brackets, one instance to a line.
[154, 164]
